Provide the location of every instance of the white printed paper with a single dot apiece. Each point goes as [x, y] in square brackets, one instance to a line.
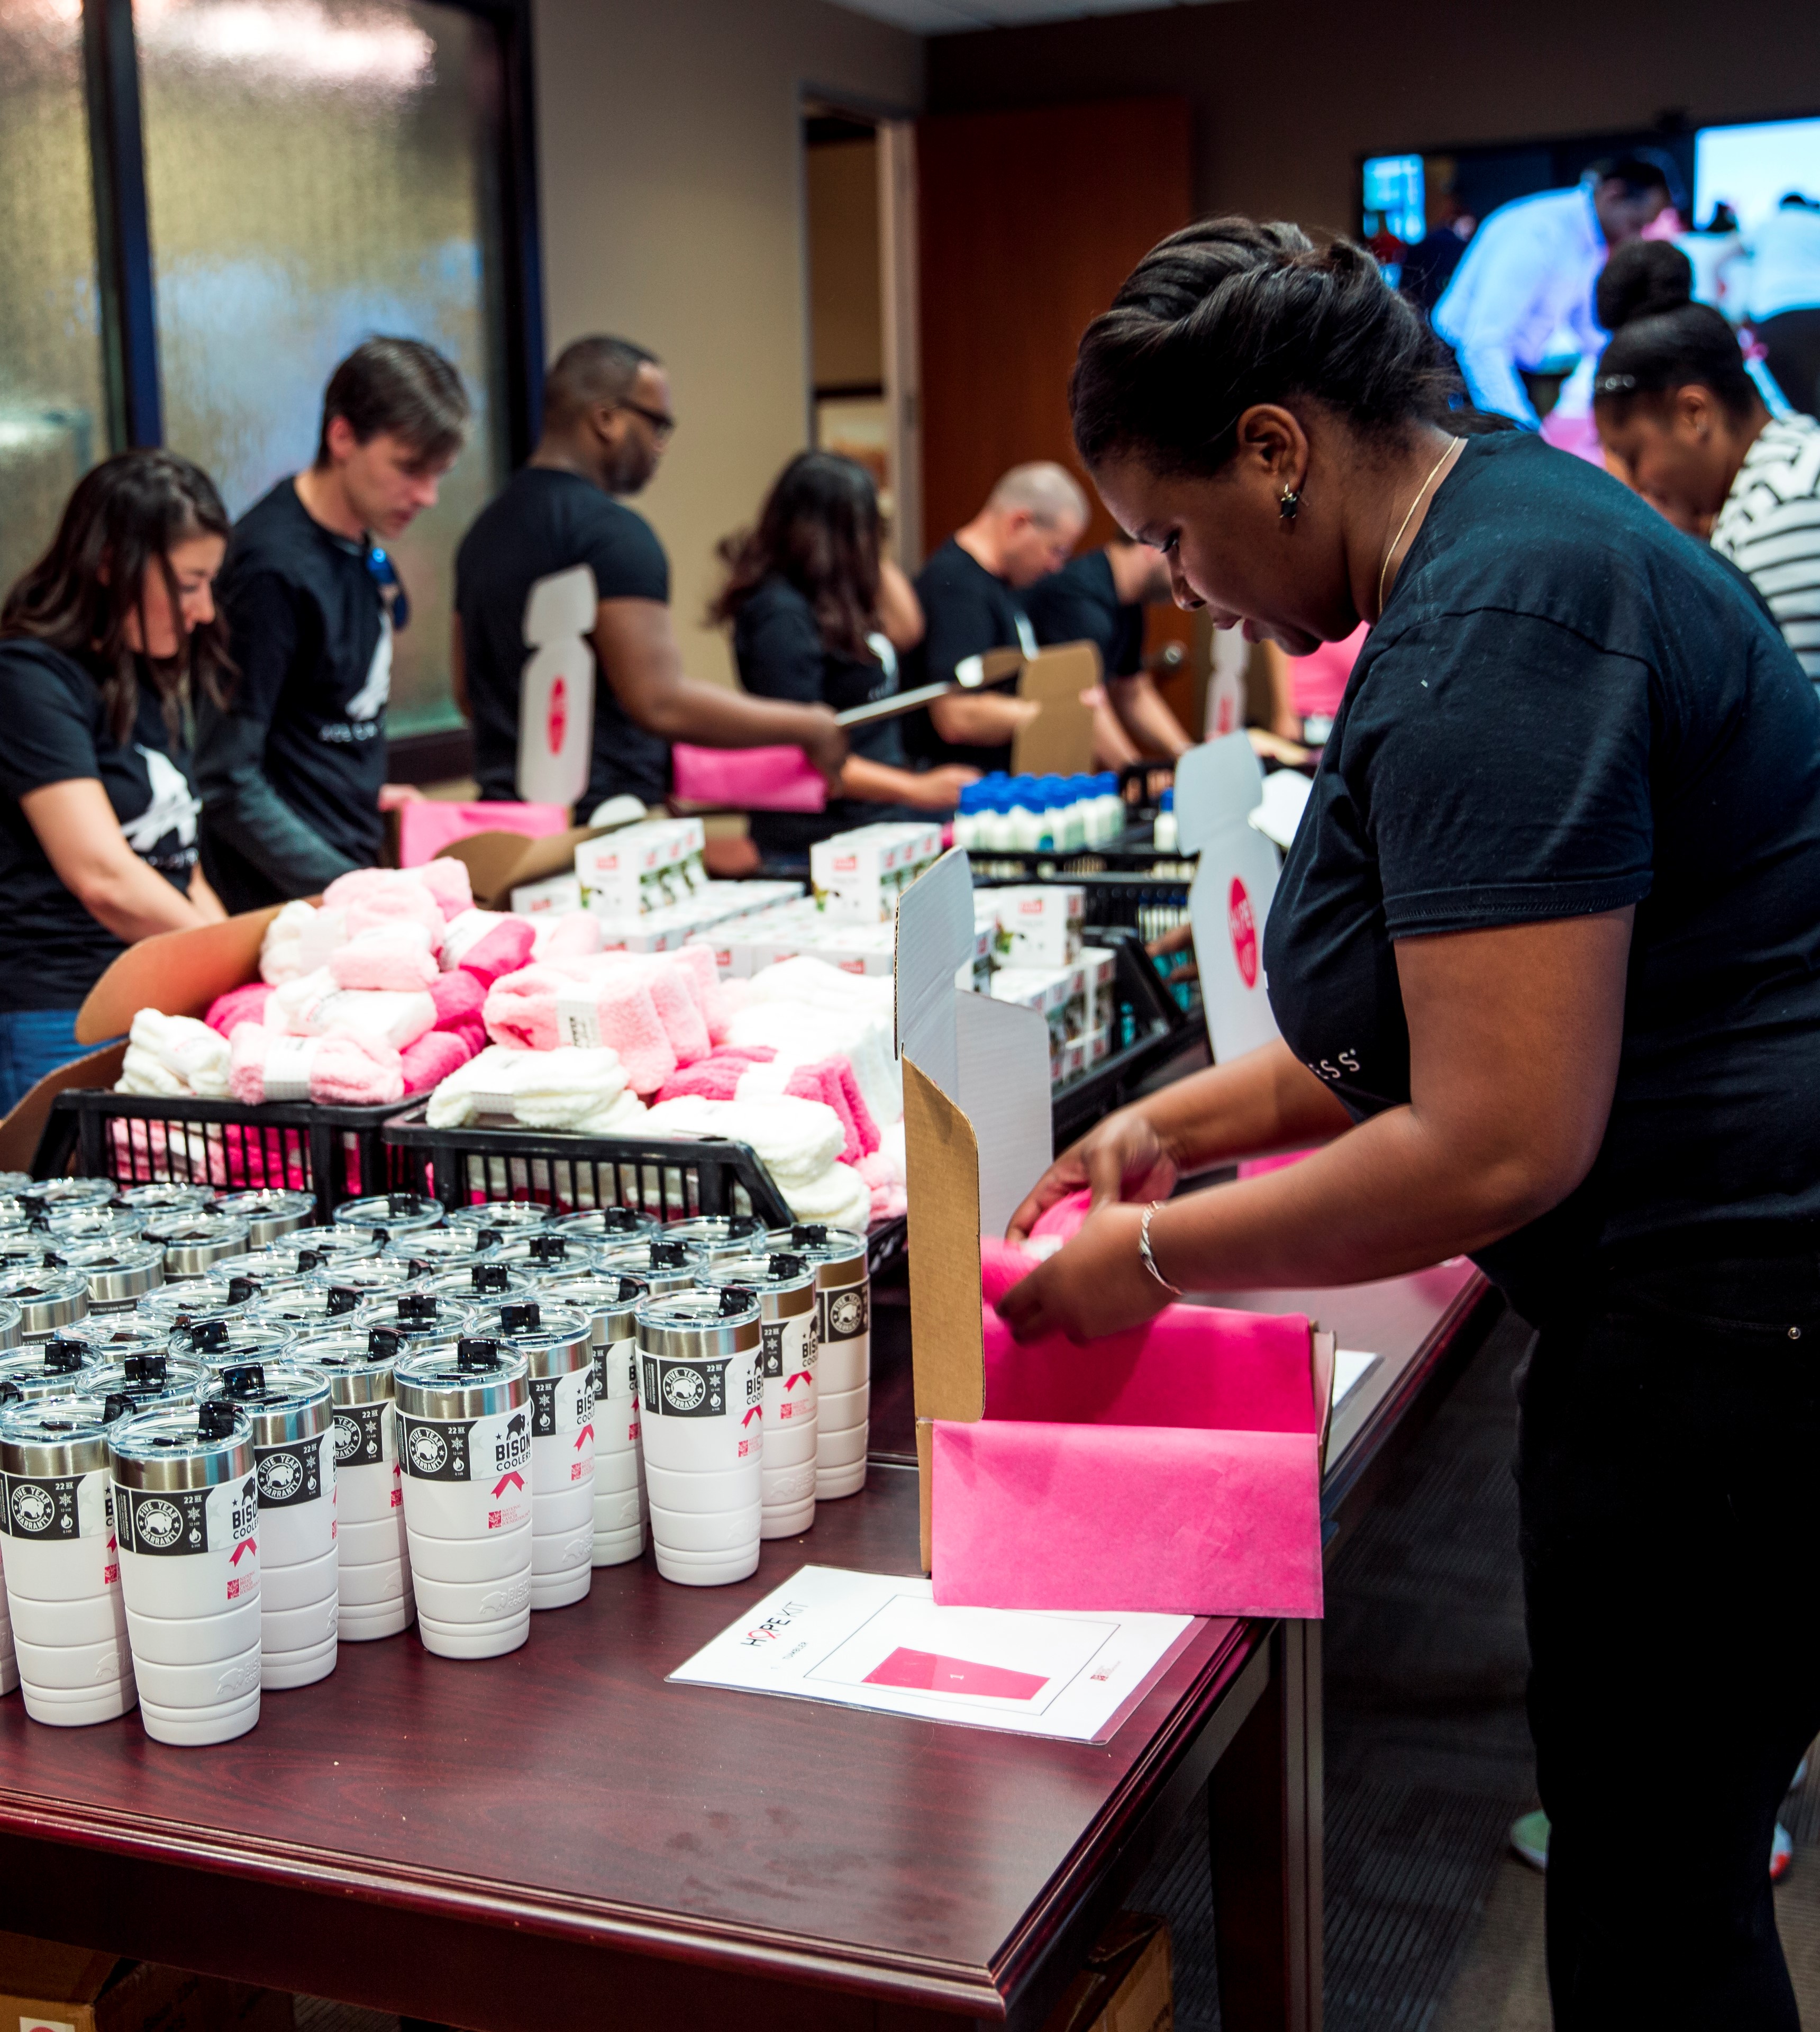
[879, 1641]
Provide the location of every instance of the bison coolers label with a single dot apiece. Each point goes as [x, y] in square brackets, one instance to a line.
[51, 1509]
[363, 1435]
[693, 1389]
[491, 1456]
[173, 1521]
[847, 1313]
[788, 1346]
[561, 1403]
[296, 1474]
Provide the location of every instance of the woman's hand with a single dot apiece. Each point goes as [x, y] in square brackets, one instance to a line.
[1123, 1158]
[1096, 1285]
[394, 797]
[939, 790]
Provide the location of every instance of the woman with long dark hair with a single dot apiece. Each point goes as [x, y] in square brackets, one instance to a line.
[103, 644]
[1684, 423]
[1546, 962]
[818, 616]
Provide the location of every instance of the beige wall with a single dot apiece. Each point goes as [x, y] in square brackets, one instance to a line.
[670, 164]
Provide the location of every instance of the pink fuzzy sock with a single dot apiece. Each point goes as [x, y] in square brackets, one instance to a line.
[459, 996]
[372, 896]
[504, 950]
[700, 960]
[865, 1129]
[433, 1058]
[247, 1043]
[821, 1082]
[673, 994]
[239, 1005]
[446, 879]
[470, 1032]
[629, 1022]
[398, 957]
[575, 937]
[349, 1072]
[716, 1078]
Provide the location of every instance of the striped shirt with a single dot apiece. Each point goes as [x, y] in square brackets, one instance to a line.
[1770, 528]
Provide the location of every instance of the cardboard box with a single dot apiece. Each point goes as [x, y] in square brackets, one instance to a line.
[499, 862]
[1128, 1985]
[47, 1987]
[1177, 1469]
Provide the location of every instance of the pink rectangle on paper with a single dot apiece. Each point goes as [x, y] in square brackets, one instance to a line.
[929, 1672]
[1181, 1521]
[753, 779]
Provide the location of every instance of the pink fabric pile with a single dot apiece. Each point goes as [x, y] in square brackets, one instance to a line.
[753, 1072]
[660, 1012]
[338, 1069]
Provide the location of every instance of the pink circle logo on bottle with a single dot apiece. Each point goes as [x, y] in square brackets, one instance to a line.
[1243, 928]
[558, 714]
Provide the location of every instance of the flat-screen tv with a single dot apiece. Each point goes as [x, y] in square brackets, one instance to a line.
[1752, 167]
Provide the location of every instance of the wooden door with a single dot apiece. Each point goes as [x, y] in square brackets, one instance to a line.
[1027, 223]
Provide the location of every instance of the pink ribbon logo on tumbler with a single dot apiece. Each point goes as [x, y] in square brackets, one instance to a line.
[1244, 929]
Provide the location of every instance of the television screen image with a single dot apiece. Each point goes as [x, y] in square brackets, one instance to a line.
[1752, 168]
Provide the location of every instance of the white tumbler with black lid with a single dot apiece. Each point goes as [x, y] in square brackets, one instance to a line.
[196, 1238]
[230, 1340]
[785, 1285]
[146, 1375]
[294, 1457]
[388, 1216]
[48, 1300]
[843, 1377]
[717, 1237]
[465, 1447]
[607, 1224]
[418, 1317]
[270, 1211]
[703, 1427]
[372, 1557]
[186, 1511]
[557, 1342]
[503, 1219]
[610, 1300]
[61, 1564]
[664, 1265]
[544, 1253]
[57, 1367]
[119, 1273]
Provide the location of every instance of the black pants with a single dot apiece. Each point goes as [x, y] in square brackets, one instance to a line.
[1791, 352]
[1670, 1442]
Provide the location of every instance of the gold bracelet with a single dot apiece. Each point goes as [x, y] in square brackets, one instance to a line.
[1149, 1261]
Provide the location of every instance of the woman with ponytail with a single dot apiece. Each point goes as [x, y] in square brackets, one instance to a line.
[1546, 961]
[1684, 422]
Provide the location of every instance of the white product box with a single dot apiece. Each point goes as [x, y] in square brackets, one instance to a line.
[1102, 969]
[554, 898]
[1039, 924]
[651, 866]
[856, 948]
[858, 876]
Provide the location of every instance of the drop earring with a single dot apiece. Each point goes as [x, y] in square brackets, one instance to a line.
[1289, 504]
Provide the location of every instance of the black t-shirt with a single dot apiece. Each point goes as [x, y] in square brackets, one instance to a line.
[1080, 603]
[51, 950]
[290, 773]
[780, 654]
[1569, 707]
[966, 611]
[544, 523]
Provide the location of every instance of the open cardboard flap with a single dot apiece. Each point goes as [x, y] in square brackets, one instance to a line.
[1059, 741]
[499, 862]
[22, 1130]
[1219, 786]
[991, 1057]
[178, 974]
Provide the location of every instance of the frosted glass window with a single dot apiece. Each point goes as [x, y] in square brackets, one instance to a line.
[53, 423]
[318, 171]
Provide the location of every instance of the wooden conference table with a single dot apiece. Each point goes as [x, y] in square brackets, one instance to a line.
[558, 1836]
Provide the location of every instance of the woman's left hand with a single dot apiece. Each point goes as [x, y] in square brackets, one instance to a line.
[1096, 1285]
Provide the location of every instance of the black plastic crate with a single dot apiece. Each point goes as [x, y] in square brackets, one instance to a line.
[337, 1153]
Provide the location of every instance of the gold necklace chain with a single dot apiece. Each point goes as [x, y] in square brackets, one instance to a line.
[1383, 570]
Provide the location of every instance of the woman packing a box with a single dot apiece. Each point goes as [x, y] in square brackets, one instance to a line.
[104, 645]
[1546, 964]
[819, 616]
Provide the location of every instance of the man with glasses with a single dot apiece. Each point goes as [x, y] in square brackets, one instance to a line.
[292, 772]
[559, 584]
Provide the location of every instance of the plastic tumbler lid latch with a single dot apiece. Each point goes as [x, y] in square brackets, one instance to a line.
[522, 1317]
[145, 1368]
[476, 1354]
[383, 1344]
[736, 1297]
[492, 1277]
[210, 1335]
[812, 1233]
[117, 1404]
[215, 1420]
[63, 1358]
[418, 1305]
[668, 1256]
[245, 1379]
[785, 1265]
[548, 1248]
[343, 1298]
